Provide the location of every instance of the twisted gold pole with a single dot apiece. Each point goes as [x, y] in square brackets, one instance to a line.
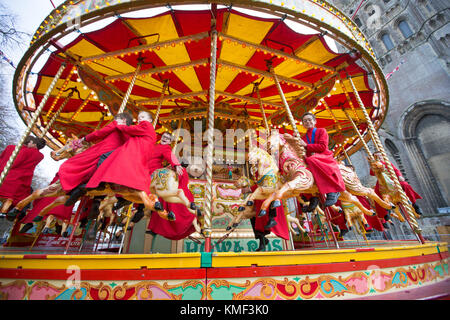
[376, 139]
[130, 87]
[286, 105]
[161, 98]
[209, 150]
[32, 123]
[261, 107]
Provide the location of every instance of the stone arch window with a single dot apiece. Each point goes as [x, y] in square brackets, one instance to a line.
[405, 29]
[425, 128]
[387, 41]
[393, 150]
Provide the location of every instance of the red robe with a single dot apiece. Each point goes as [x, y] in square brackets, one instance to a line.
[409, 191]
[182, 226]
[128, 164]
[61, 212]
[81, 167]
[281, 229]
[321, 163]
[373, 221]
[17, 183]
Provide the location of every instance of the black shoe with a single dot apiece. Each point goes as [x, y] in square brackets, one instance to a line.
[417, 208]
[272, 223]
[275, 204]
[263, 241]
[121, 202]
[262, 213]
[158, 206]
[38, 219]
[13, 213]
[171, 216]
[75, 195]
[26, 227]
[332, 198]
[313, 202]
[138, 215]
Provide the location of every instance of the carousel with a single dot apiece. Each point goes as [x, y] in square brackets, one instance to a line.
[230, 80]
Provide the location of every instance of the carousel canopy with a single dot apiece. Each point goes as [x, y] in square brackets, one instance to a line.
[170, 54]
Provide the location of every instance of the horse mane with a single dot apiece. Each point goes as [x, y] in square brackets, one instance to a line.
[294, 144]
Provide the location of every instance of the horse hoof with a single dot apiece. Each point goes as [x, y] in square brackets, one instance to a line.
[262, 213]
[158, 206]
[46, 230]
[228, 228]
[275, 204]
[193, 206]
[250, 203]
[241, 208]
[199, 213]
[235, 225]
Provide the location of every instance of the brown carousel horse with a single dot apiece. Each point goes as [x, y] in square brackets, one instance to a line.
[387, 187]
[298, 179]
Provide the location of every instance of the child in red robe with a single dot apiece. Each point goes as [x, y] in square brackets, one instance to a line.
[321, 162]
[77, 170]
[182, 227]
[17, 183]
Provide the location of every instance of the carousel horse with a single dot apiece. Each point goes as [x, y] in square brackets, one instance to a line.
[299, 180]
[164, 184]
[387, 188]
[244, 182]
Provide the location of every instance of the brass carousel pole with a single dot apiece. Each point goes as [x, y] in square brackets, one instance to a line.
[210, 147]
[32, 123]
[376, 139]
[161, 99]
[130, 87]
[297, 134]
[261, 107]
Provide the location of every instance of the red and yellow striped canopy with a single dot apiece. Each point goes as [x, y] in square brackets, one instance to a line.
[175, 47]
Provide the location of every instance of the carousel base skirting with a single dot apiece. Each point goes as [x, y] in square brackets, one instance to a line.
[390, 272]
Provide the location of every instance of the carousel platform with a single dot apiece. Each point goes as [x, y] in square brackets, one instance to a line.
[379, 270]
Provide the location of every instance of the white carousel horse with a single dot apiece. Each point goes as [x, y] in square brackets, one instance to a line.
[249, 212]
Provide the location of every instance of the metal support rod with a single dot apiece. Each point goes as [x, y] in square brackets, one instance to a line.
[328, 218]
[130, 88]
[31, 124]
[286, 105]
[126, 227]
[261, 107]
[161, 99]
[210, 147]
[376, 139]
[76, 219]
